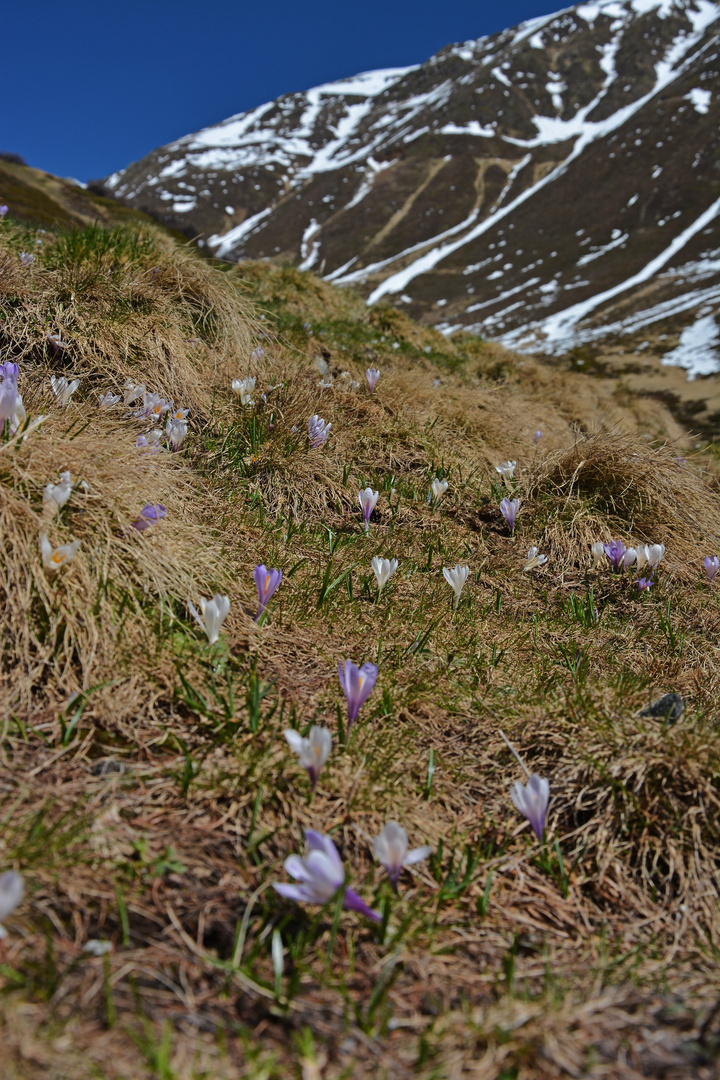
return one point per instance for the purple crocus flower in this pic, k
(8, 391)
(531, 800)
(615, 552)
(537, 436)
(321, 874)
(357, 684)
(150, 514)
(644, 583)
(372, 375)
(712, 565)
(509, 509)
(3, 211)
(266, 582)
(318, 431)
(391, 849)
(368, 500)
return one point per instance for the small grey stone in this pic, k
(669, 707)
(108, 767)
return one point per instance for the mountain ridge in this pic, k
(590, 135)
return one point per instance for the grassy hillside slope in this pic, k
(148, 796)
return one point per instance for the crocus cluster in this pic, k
(245, 388)
(622, 558)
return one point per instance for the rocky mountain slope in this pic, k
(553, 186)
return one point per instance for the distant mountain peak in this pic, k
(539, 185)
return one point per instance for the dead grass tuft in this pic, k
(127, 303)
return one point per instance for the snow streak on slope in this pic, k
(556, 130)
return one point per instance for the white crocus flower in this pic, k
(19, 416)
(438, 489)
(641, 556)
(56, 495)
(244, 388)
(109, 401)
(54, 558)
(11, 893)
(177, 434)
(214, 613)
(133, 392)
(654, 554)
(506, 469)
(313, 752)
(63, 388)
(629, 558)
(533, 559)
(598, 550)
(456, 580)
(391, 849)
(383, 569)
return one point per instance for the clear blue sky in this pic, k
(87, 86)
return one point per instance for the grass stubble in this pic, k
(147, 794)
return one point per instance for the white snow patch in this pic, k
(473, 128)
(698, 350)
(700, 99)
(559, 331)
(309, 248)
(597, 252)
(227, 243)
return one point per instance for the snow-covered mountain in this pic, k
(551, 186)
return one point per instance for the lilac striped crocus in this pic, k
(372, 375)
(509, 510)
(357, 684)
(266, 582)
(368, 500)
(391, 849)
(318, 431)
(321, 875)
(532, 800)
(712, 565)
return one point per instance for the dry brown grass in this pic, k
(161, 823)
(128, 303)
